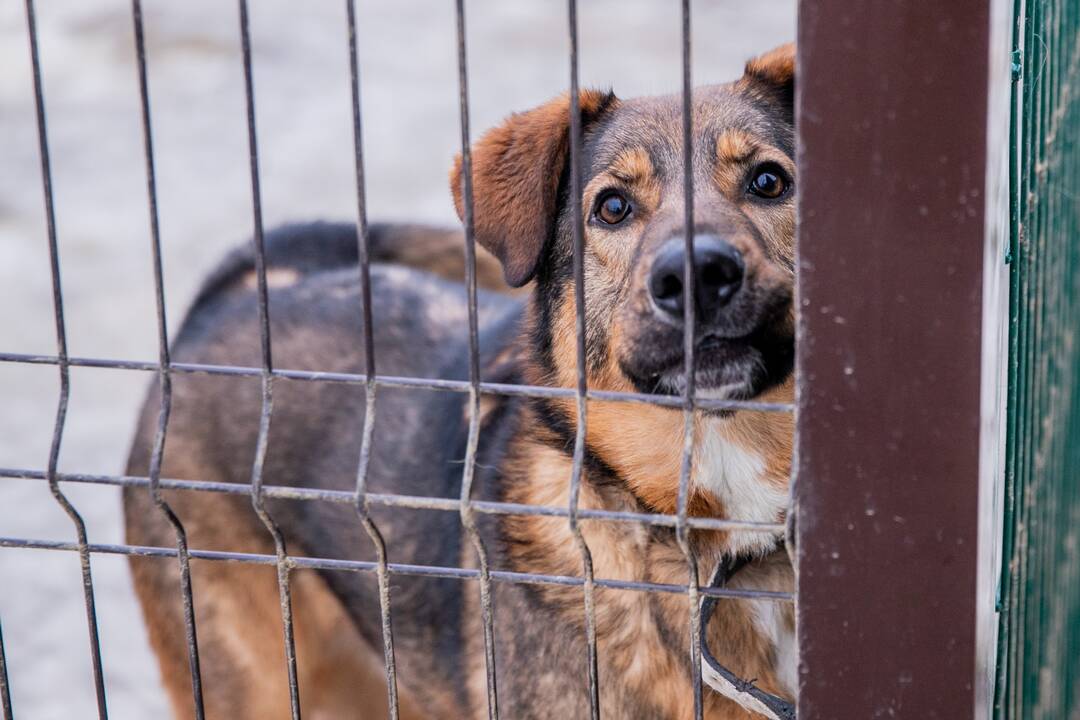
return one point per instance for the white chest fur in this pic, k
(736, 477)
(773, 620)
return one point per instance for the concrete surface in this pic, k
(517, 54)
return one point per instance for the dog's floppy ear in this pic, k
(516, 170)
(774, 74)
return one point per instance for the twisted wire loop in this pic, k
(63, 366)
(164, 375)
(360, 499)
(468, 520)
(682, 529)
(582, 378)
(283, 562)
(5, 689)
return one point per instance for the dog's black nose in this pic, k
(718, 274)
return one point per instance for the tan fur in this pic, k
(442, 252)
(735, 146)
(238, 619)
(632, 170)
(771, 434)
(737, 153)
(633, 173)
(275, 278)
(776, 67)
(632, 654)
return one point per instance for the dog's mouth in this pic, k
(725, 368)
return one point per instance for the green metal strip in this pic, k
(1039, 594)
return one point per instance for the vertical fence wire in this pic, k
(577, 220)
(5, 689)
(682, 530)
(62, 364)
(283, 563)
(1051, 315)
(1043, 300)
(1033, 301)
(1018, 344)
(1060, 381)
(1005, 597)
(1027, 340)
(1069, 513)
(468, 520)
(360, 503)
(164, 375)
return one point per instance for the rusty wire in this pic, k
(468, 520)
(164, 375)
(63, 366)
(258, 502)
(360, 500)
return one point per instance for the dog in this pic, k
(632, 168)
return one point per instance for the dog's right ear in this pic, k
(774, 75)
(516, 169)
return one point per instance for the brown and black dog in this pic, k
(633, 214)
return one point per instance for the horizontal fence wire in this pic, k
(688, 403)
(416, 383)
(414, 502)
(368, 566)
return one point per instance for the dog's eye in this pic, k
(612, 208)
(768, 181)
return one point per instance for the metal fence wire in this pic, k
(362, 500)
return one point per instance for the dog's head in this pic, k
(632, 165)
(634, 229)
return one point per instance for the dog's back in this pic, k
(420, 327)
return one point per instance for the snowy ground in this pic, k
(517, 54)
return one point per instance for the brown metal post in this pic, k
(898, 253)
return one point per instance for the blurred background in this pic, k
(517, 59)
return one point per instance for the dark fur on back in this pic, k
(312, 247)
(420, 331)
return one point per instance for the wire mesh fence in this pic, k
(268, 374)
(1039, 595)
(1038, 601)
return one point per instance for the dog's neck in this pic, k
(632, 463)
(643, 636)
